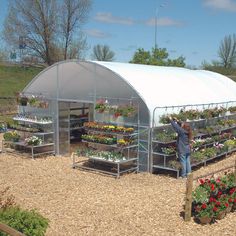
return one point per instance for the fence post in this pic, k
(188, 200)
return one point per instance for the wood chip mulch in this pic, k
(85, 203)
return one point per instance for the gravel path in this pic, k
(84, 203)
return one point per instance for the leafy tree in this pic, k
(46, 28)
(158, 57)
(227, 51)
(141, 57)
(102, 53)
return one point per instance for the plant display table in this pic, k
(47, 148)
(115, 168)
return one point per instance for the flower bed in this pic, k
(214, 198)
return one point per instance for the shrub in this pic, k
(30, 222)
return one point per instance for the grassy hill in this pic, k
(14, 78)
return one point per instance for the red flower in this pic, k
(218, 203)
(212, 199)
(231, 191)
(204, 206)
(212, 187)
(226, 204)
(215, 209)
(219, 193)
(230, 200)
(235, 200)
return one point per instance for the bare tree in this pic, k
(227, 51)
(102, 53)
(39, 25)
(74, 14)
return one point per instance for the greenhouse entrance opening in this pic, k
(71, 118)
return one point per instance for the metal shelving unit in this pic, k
(160, 160)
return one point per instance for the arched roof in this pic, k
(155, 85)
(167, 86)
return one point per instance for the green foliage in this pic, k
(165, 136)
(201, 195)
(158, 57)
(11, 136)
(30, 222)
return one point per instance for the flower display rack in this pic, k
(214, 138)
(34, 128)
(112, 149)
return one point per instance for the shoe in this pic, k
(182, 177)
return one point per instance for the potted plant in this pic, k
(101, 106)
(232, 109)
(33, 140)
(11, 136)
(23, 101)
(205, 213)
(174, 164)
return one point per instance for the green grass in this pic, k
(13, 79)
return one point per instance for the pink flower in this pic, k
(201, 181)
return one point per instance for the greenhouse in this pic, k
(72, 97)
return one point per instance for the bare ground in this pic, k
(85, 203)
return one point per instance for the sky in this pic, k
(193, 29)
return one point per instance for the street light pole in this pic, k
(156, 28)
(156, 14)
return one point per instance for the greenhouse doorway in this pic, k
(72, 116)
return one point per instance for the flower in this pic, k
(206, 209)
(33, 140)
(11, 136)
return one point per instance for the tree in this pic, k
(227, 51)
(74, 13)
(102, 53)
(45, 30)
(158, 57)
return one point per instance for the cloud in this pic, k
(226, 5)
(107, 17)
(97, 33)
(163, 22)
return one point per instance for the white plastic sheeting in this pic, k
(154, 86)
